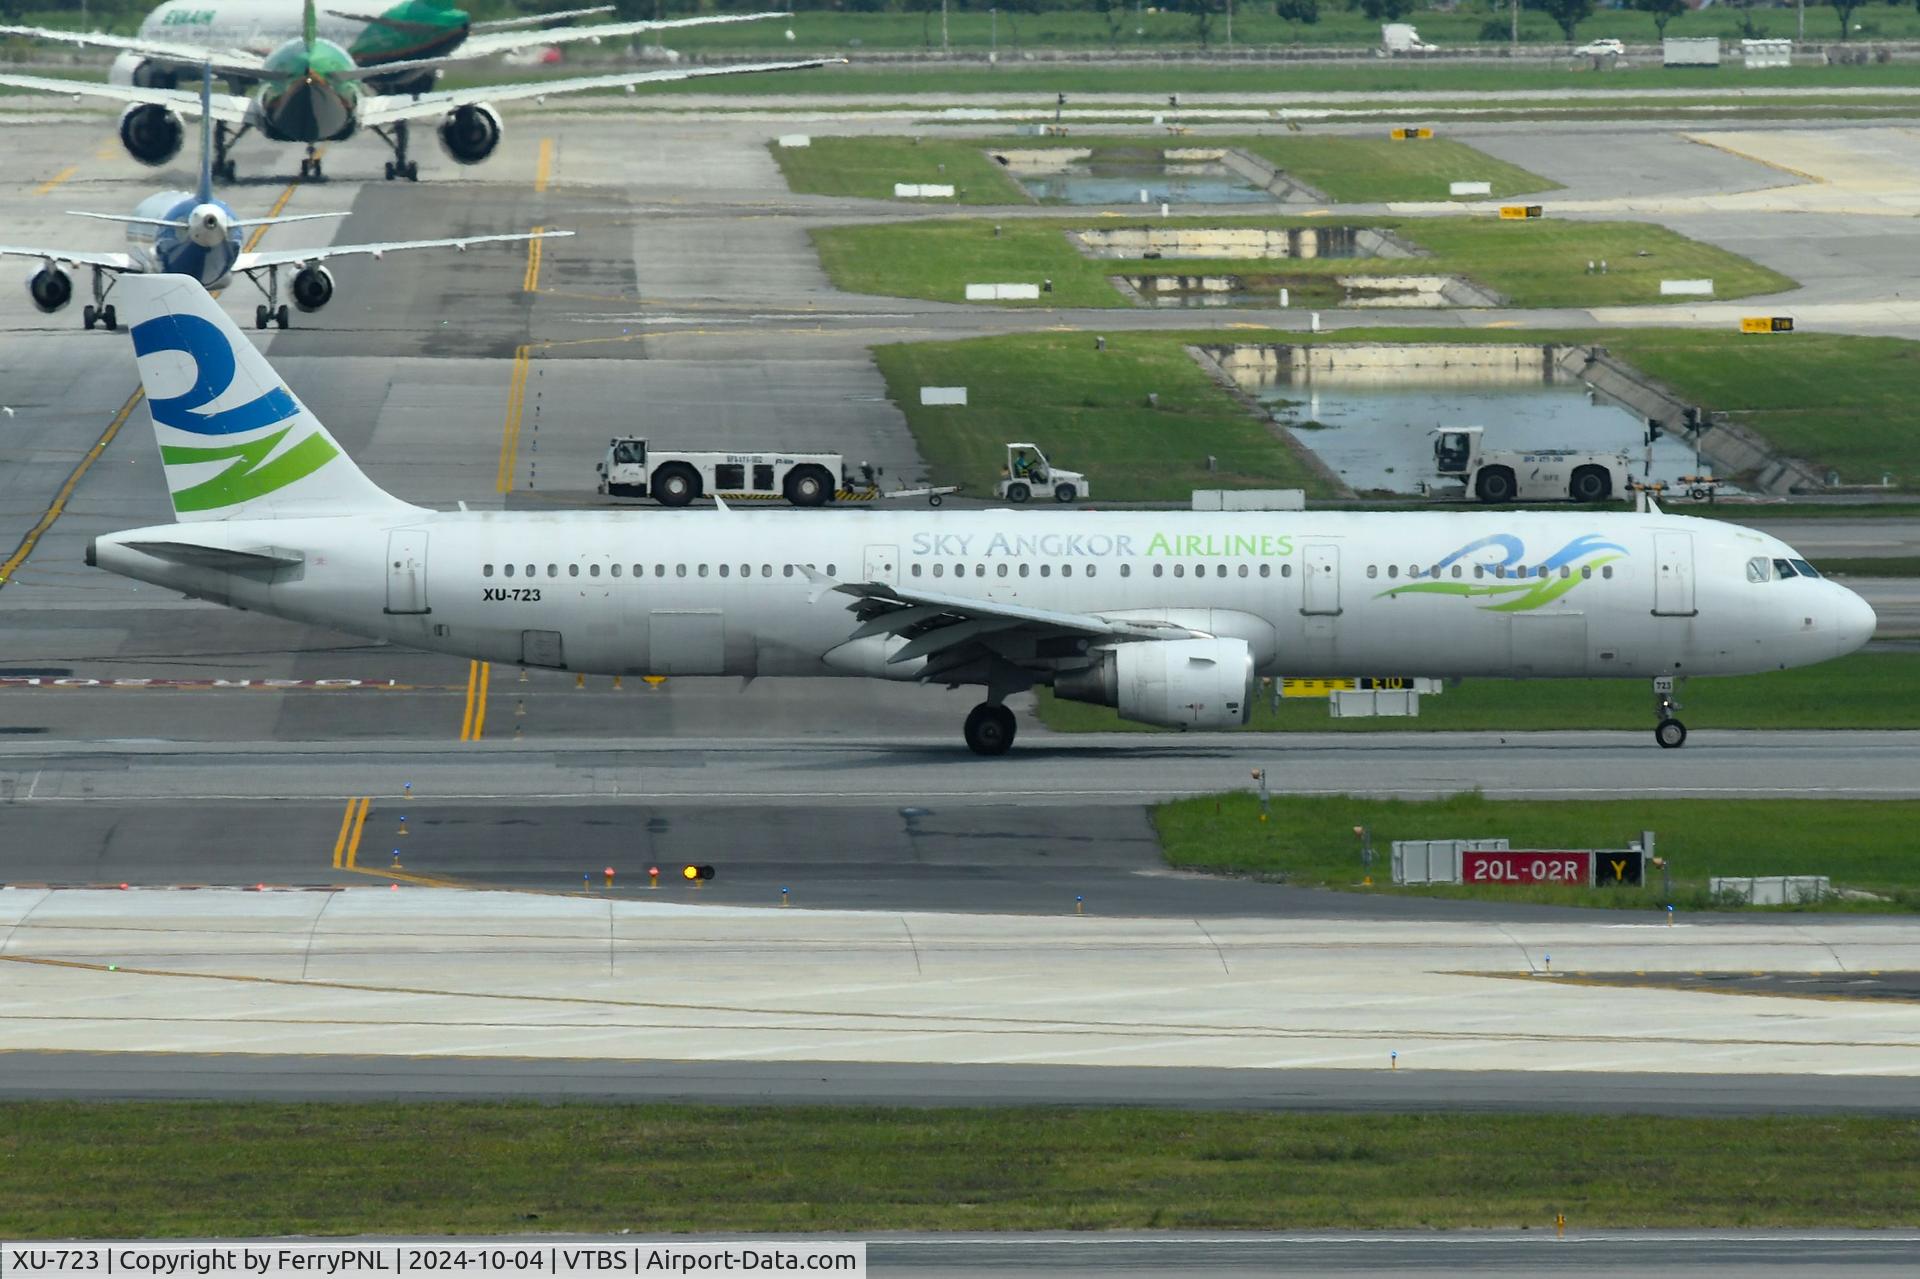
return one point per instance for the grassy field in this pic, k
(1537, 263)
(1084, 407)
(1842, 401)
(1864, 566)
(172, 1170)
(1351, 170)
(868, 167)
(1868, 845)
(1862, 690)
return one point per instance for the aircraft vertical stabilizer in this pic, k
(235, 442)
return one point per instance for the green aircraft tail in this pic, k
(310, 26)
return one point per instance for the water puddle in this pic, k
(1145, 176)
(1355, 292)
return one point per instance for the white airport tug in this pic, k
(1533, 475)
(675, 477)
(1028, 472)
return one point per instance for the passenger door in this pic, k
(1322, 587)
(407, 571)
(1673, 575)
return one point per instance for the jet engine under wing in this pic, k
(260, 260)
(104, 261)
(490, 42)
(226, 107)
(392, 107)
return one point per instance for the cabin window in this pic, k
(1126, 570)
(1456, 571)
(506, 570)
(701, 569)
(614, 569)
(1090, 569)
(915, 570)
(593, 570)
(1000, 570)
(766, 570)
(1066, 570)
(1159, 569)
(723, 570)
(1024, 568)
(533, 570)
(786, 570)
(746, 570)
(1219, 570)
(1759, 569)
(1179, 570)
(1586, 571)
(553, 570)
(573, 570)
(939, 569)
(1565, 572)
(1243, 570)
(1479, 570)
(486, 570)
(1393, 570)
(831, 570)
(1607, 571)
(1267, 569)
(679, 570)
(1046, 570)
(1373, 570)
(660, 570)
(979, 570)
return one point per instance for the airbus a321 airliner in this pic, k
(1169, 617)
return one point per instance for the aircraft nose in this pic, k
(1854, 620)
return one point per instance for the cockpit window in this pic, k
(1805, 569)
(1759, 569)
(1784, 568)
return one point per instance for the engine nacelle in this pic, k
(152, 134)
(1191, 683)
(469, 134)
(312, 287)
(136, 69)
(50, 288)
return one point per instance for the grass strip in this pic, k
(1859, 691)
(166, 1170)
(1863, 845)
(869, 168)
(1534, 263)
(1089, 410)
(1870, 566)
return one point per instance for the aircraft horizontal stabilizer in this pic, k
(224, 559)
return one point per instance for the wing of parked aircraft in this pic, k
(492, 42)
(228, 108)
(534, 19)
(103, 261)
(261, 260)
(392, 107)
(237, 63)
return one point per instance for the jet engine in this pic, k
(152, 134)
(312, 287)
(469, 134)
(50, 288)
(1191, 683)
(135, 69)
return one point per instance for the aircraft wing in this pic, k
(491, 42)
(226, 107)
(388, 108)
(539, 19)
(950, 631)
(105, 261)
(258, 261)
(238, 63)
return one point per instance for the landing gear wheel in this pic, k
(390, 173)
(1018, 492)
(316, 168)
(1670, 733)
(260, 316)
(989, 729)
(306, 167)
(88, 315)
(280, 316)
(1064, 493)
(109, 317)
(413, 171)
(225, 171)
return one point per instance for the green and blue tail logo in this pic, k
(1510, 591)
(235, 442)
(257, 464)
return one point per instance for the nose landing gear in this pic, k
(310, 167)
(1670, 733)
(990, 729)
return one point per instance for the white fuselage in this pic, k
(257, 25)
(1313, 593)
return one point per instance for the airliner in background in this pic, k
(1170, 617)
(191, 233)
(178, 36)
(308, 90)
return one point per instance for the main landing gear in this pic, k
(273, 311)
(989, 729)
(310, 167)
(1669, 732)
(223, 166)
(399, 166)
(100, 312)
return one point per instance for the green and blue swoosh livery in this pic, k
(1515, 594)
